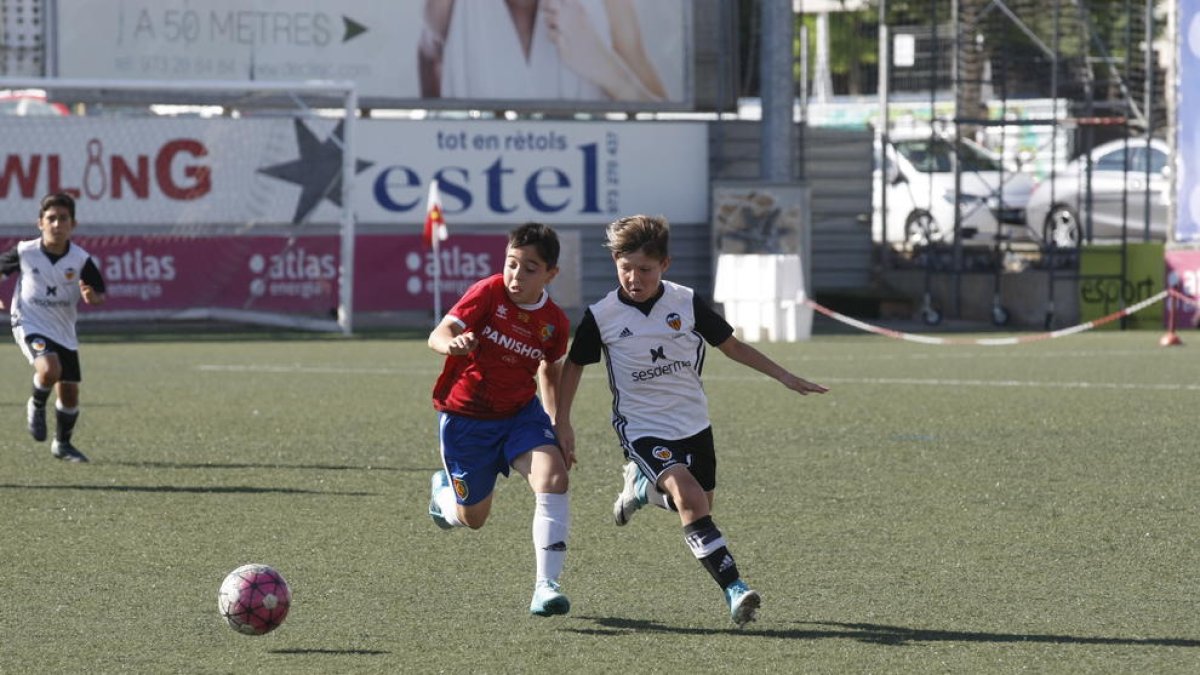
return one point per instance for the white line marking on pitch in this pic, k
(940, 382)
(961, 354)
(298, 369)
(937, 382)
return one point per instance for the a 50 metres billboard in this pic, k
(573, 54)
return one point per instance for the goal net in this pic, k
(199, 200)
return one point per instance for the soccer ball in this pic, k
(254, 599)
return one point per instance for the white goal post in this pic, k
(225, 201)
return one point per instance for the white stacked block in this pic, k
(763, 296)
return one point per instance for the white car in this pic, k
(921, 191)
(29, 102)
(1118, 198)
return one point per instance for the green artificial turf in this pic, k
(957, 509)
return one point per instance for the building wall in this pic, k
(836, 165)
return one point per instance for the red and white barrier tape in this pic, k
(995, 342)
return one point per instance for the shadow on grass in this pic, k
(186, 489)
(876, 633)
(263, 465)
(335, 652)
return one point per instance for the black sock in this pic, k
(66, 425)
(708, 545)
(40, 396)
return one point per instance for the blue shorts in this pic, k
(475, 451)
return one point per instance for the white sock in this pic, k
(449, 506)
(551, 522)
(656, 497)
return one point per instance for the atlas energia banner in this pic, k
(166, 171)
(578, 54)
(167, 275)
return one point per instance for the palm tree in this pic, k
(972, 55)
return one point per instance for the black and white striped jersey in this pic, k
(655, 353)
(47, 293)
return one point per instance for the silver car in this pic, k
(921, 189)
(1119, 194)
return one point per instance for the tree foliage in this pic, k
(1027, 35)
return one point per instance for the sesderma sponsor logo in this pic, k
(659, 371)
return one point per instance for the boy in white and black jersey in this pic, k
(653, 334)
(55, 275)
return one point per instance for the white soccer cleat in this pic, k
(436, 483)
(631, 498)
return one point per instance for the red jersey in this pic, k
(499, 377)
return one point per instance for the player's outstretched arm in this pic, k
(749, 356)
(449, 339)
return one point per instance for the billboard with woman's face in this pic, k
(484, 54)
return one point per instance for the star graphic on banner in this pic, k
(318, 170)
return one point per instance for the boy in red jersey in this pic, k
(501, 335)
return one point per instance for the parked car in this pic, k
(921, 192)
(1058, 210)
(29, 102)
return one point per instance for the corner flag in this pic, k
(435, 224)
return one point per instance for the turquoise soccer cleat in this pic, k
(548, 599)
(743, 602)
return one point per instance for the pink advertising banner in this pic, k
(1183, 275)
(282, 274)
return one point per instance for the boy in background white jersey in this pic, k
(55, 275)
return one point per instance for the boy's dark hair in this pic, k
(648, 234)
(541, 237)
(54, 199)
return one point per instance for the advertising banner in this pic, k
(1187, 129)
(287, 275)
(632, 55)
(1183, 275)
(192, 171)
(1102, 291)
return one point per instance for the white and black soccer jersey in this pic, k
(655, 354)
(47, 294)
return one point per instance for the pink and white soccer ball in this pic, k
(254, 599)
